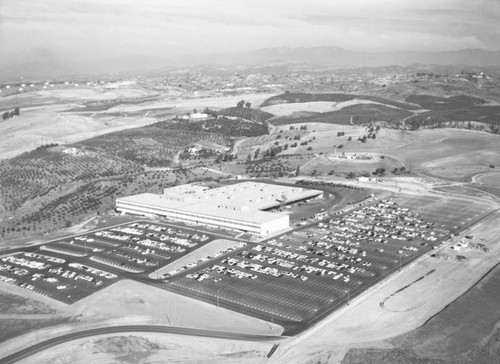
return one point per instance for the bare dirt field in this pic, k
(185, 105)
(14, 304)
(38, 126)
(154, 348)
(314, 106)
(129, 298)
(467, 331)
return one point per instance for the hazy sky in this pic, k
(77, 30)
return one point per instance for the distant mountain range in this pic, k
(339, 57)
(41, 65)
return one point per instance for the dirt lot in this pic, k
(467, 331)
(14, 304)
(154, 348)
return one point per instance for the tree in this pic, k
(195, 111)
(256, 155)
(248, 104)
(297, 171)
(240, 103)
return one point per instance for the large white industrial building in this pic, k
(237, 207)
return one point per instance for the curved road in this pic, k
(134, 328)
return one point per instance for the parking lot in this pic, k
(70, 269)
(293, 279)
(296, 278)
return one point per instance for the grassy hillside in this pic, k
(246, 113)
(445, 103)
(359, 114)
(333, 97)
(467, 331)
(448, 118)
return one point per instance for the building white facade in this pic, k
(235, 207)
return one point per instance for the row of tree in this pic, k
(243, 103)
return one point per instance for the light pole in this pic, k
(168, 319)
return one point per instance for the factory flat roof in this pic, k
(241, 201)
(254, 195)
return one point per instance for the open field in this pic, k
(464, 332)
(11, 327)
(436, 111)
(186, 105)
(458, 213)
(312, 107)
(11, 303)
(357, 114)
(334, 97)
(446, 153)
(39, 126)
(155, 348)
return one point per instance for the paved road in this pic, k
(44, 345)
